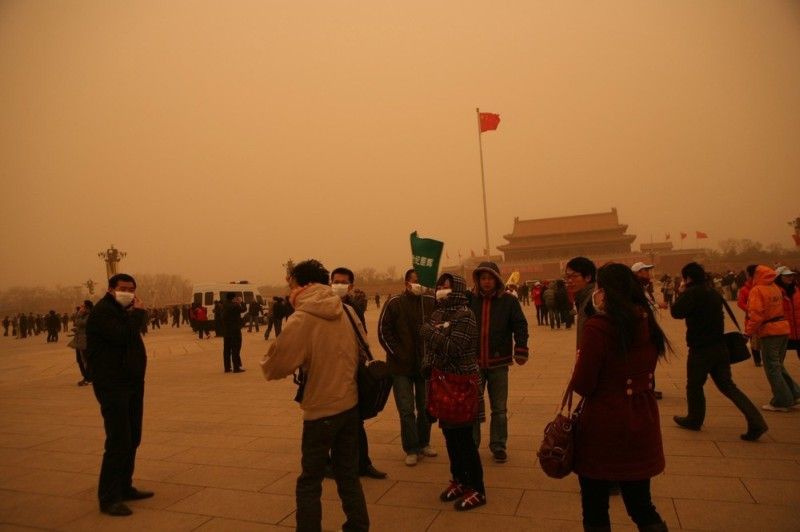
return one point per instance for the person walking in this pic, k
(253, 315)
(118, 360)
(451, 346)
(277, 311)
(579, 277)
(53, 323)
(741, 302)
(766, 320)
(620, 435)
(787, 281)
(320, 340)
(701, 306)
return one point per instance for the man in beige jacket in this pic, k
(319, 339)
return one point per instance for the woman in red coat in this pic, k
(618, 439)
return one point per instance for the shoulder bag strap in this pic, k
(730, 313)
(361, 341)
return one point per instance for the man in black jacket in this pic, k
(503, 340)
(399, 335)
(117, 362)
(232, 324)
(701, 306)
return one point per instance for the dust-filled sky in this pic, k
(216, 139)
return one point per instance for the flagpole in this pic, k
(483, 183)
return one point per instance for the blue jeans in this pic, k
(784, 389)
(415, 429)
(496, 380)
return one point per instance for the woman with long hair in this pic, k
(618, 439)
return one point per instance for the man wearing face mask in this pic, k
(342, 280)
(399, 335)
(117, 361)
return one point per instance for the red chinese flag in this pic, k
(683, 235)
(489, 121)
(666, 236)
(701, 234)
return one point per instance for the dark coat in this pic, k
(701, 307)
(618, 435)
(115, 350)
(398, 331)
(503, 329)
(232, 322)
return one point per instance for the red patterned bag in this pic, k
(453, 398)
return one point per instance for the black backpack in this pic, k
(374, 379)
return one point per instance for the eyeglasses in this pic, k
(572, 275)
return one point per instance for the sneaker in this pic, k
(774, 408)
(428, 451)
(412, 459)
(500, 456)
(454, 491)
(471, 499)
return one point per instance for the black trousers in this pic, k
(715, 361)
(465, 462)
(122, 409)
(336, 436)
(278, 325)
(231, 347)
(635, 495)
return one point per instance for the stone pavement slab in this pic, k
(222, 451)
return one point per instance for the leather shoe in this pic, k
(685, 423)
(371, 472)
(118, 509)
(134, 495)
(753, 434)
(239, 370)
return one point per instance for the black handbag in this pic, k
(374, 379)
(735, 341)
(556, 452)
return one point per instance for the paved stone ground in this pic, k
(222, 451)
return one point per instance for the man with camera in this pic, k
(319, 339)
(232, 324)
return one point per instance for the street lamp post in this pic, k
(111, 257)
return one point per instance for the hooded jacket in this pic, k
(318, 338)
(503, 328)
(791, 309)
(765, 306)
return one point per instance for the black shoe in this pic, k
(118, 509)
(758, 364)
(658, 394)
(500, 456)
(613, 489)
(371, 472)
(134, 495)
(328, 471)
(685, 423)
(239, 370)
(227, 371)
(753, 434)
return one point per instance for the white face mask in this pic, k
(443, 293)
(124, 298)
(340, 289)
(416, 289)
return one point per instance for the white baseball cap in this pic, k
(640, 266)
(784, 270)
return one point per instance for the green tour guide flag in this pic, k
(426, 254)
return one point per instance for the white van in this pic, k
(206, 293)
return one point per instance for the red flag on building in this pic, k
(701, 234)
(683, 235)
(666, 237)
(489, 121)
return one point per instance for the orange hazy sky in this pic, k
(216, 139)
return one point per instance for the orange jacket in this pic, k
(765, 306)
